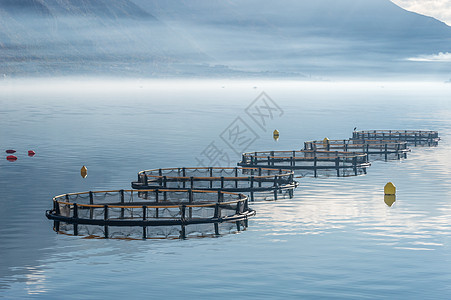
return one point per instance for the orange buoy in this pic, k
(11, 158)
(31, 153)
(84, 172)
(10, 151)
(276, 135)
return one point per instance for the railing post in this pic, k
(105, 218)
(91, 202)
(182, 213)
(238, 205)
(217, 211)
(165, 181)
(75, 217)
(122, 202)
(337, 165)
(190, 196)
(386, 151)
(144, 220)
(251, 180)
(211, 175)
(183, 233)
(156, 201)
(56, 207)
(315, 164)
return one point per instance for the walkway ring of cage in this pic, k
(237, 179)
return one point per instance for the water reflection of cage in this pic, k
(413, 137)
(160, 207)
(389, 149)
(257, 182)
(343, 163)
(206, 230)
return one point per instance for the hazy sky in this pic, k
(439, 9)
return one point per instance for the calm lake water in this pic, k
(335, 239)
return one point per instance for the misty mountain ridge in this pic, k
(215, 37)
(98, 8)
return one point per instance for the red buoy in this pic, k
(11, 158)
(31, 153)
(10, 151)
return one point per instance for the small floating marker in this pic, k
(11, 158)
(31, 153)
(389, 200)
(276, 135)
(84, 172)
(390, 189)
(10, 151)
(326, 141)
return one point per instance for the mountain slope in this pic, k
(306, 36)
(56, 37)
(205, 37)
(103, 8)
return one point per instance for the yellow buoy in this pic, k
(325, 142)
(276, 135)
(390, 189)
(84, 172)
(389, 199)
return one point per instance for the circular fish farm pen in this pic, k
(412, 137)
(155, 213)
(309, 162)
(258, 183)
(389, 149)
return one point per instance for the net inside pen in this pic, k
(129, 208)
(215, 178)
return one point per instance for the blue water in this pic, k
(335, 239)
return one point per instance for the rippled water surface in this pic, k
(335, 239)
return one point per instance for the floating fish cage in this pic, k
(343, 163)
(413, 137)
(259, 183)
(389, 149)
(123, 213)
